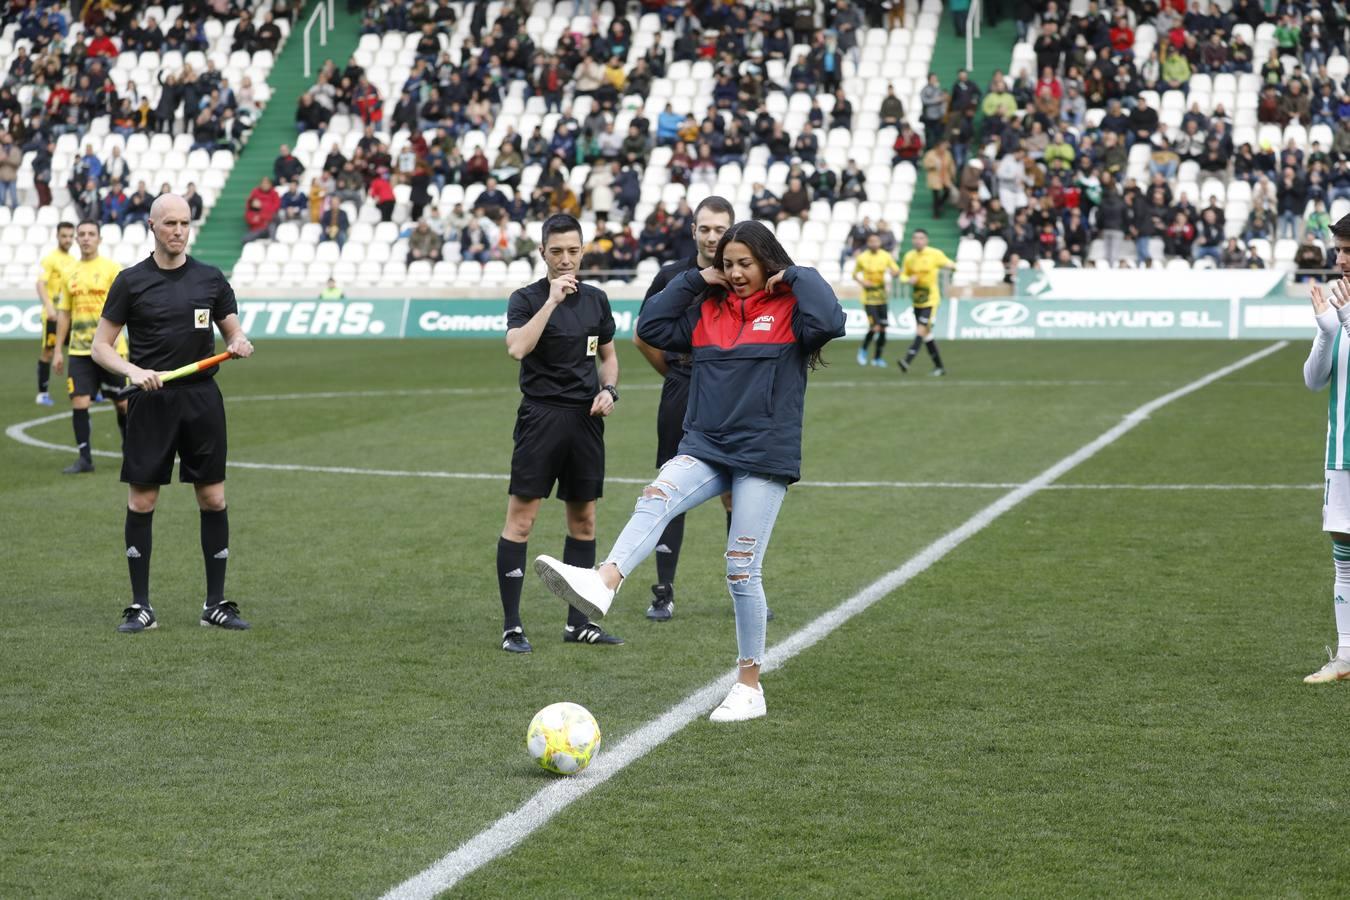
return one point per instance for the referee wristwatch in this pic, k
(612, 391)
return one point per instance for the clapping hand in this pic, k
(1340, 296)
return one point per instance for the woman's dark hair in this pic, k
(763, 246)
(770, 255)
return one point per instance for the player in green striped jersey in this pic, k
(1328, 366)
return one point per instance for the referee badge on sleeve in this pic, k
(201, 318)
(592, 344)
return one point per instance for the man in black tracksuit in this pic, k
(711, 220)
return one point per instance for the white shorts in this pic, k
(1336, 501)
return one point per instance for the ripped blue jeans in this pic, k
(683, 483)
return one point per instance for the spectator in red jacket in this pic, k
(58, 100)
(908, 145)
(1122, 36)
(101, 45)
(367, 101)
(260, 213)
(382, 192)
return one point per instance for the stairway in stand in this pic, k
(219, 240)
(992, 50)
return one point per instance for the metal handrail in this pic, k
(324, 14)
(972, 32)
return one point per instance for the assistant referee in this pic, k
(170, 302)
(559, 329)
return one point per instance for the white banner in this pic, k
(1150, 284)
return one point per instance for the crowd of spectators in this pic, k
(1046, 169)
(448, 95)
(60, 79)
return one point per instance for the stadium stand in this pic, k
(1214, 135)
(483, 118)
(104, 113)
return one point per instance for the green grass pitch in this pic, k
(1099, 694)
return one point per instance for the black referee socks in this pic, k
(668, 550)
(216, 552)
(80, 419)
(582, 554)
(510, 580)
(137, 532)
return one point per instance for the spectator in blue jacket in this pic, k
(668, 126)
(627, 190)
(754, 324)
(138, 206)
(114, 204)
(294, 203)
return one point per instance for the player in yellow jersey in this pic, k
(921, 267)
(78, 312)
(56, 267)
(870, 270)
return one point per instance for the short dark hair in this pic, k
(60, 225)
(558, 223)
(716, 204)
(922, 231)
(94, 222)
(1342, 228)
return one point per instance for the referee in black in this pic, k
(170, 302)
(562, 331)
(712, 218)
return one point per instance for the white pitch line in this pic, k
(19, 433)
(1185, 487)
(816, 384)
(511, 829)
(650, 386)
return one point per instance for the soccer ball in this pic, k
(563, 737)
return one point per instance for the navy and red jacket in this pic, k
(748, 389)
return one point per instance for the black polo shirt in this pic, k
(561, 369)
(679, 365)
(170, 313)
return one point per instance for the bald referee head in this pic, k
(170, 222)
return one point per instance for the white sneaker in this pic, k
(582, 588)
(1337, 668)
(744, 702)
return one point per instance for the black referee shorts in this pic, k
(670, 417)
(187, 420)
(86, 377)
(558, 444)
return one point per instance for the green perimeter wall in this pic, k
(1003, 318)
